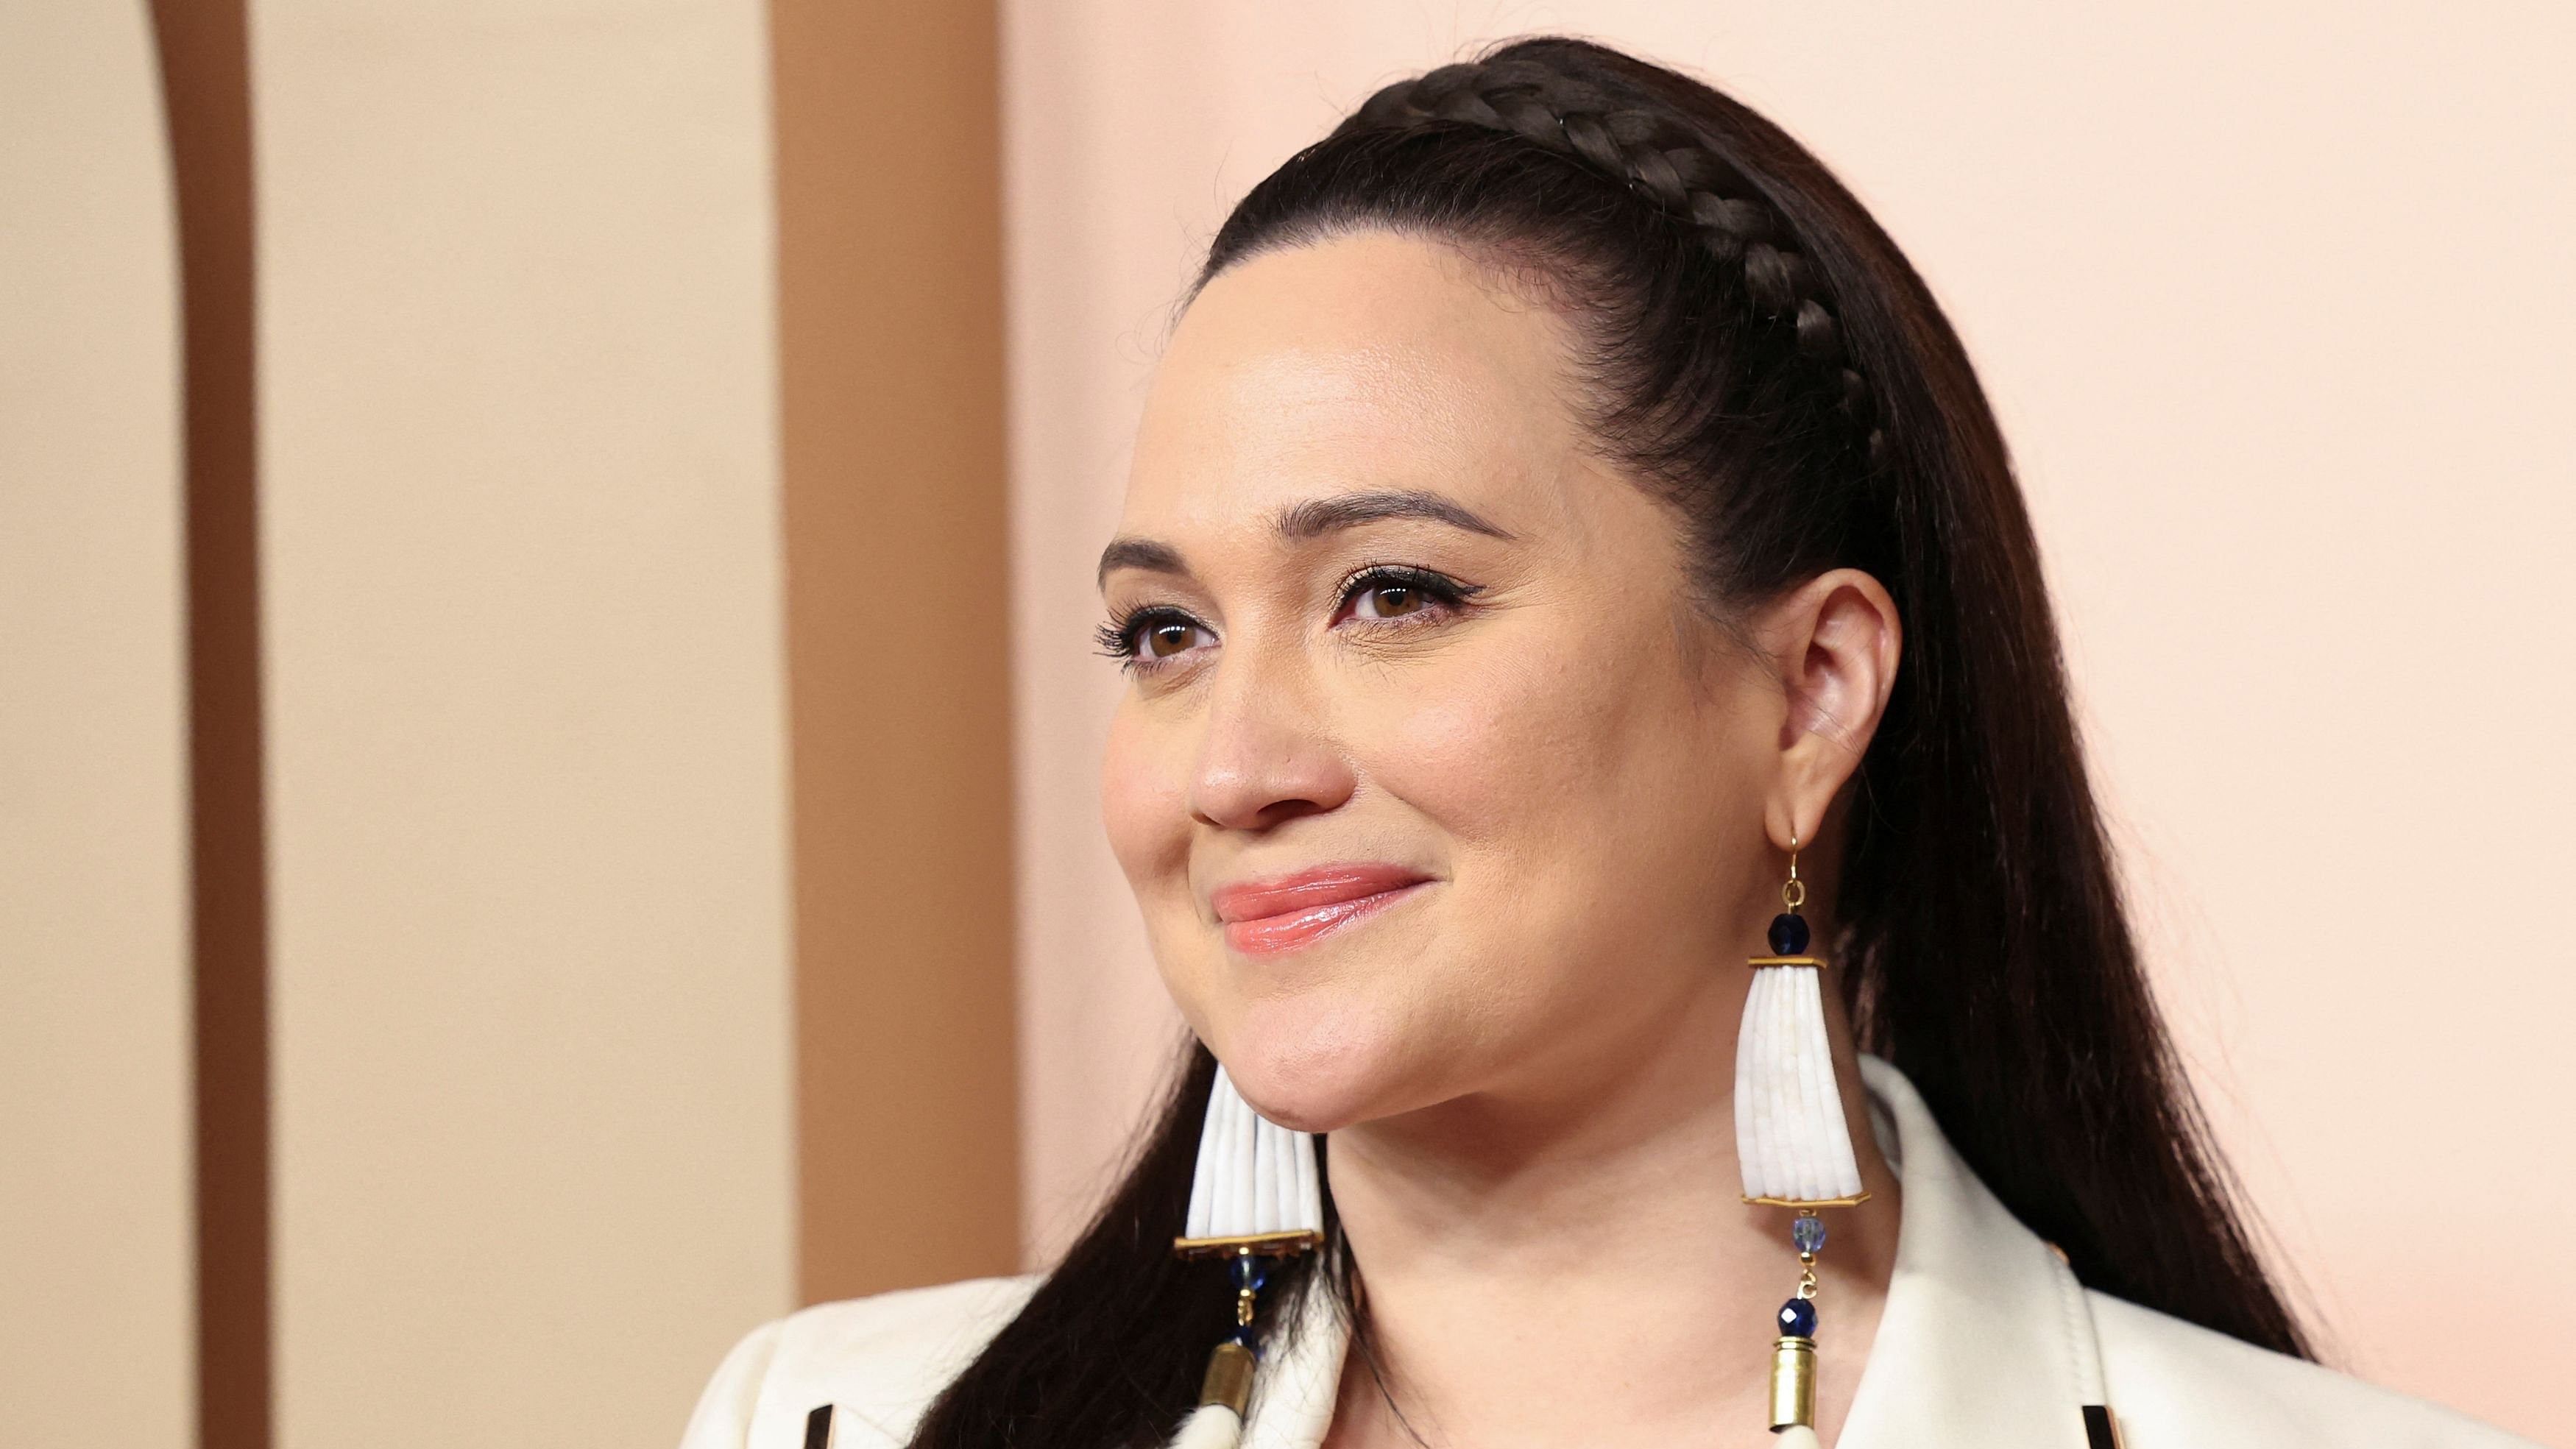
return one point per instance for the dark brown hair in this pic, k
(1758, 351)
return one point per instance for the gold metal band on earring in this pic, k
(1265, 1245)
(1855, 1200)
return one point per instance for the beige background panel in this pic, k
(2273, 302)
(96, 1291)
(520, 493)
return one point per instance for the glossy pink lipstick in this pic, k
(1282, 913)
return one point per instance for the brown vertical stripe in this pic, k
(205, 72)
(890, 280)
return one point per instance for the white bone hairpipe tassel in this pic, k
(1790, 1137)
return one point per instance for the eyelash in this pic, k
(1119, 637)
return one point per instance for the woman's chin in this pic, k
(1319, 1075)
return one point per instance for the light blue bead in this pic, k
(1250, 1272)
(1808, 1233)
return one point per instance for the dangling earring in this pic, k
(1254, 1198)
(1790, 1137)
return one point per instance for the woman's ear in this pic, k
(1833, 643)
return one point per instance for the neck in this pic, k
(1577, 1266)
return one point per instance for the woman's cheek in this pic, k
(1481, 750)
(1437, 753)
(1144, 808)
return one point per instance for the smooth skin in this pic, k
(1385, 604)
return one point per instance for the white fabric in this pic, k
(1210, 1426)
(1253, 1175)
(1790, 1137)
(1987, 1342)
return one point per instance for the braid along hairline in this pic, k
(1673, 164)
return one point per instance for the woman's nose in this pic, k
(1268, 756)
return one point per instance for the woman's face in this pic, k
(1431, 779)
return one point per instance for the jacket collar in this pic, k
(1986, 1340)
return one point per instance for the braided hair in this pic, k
(1670, 162)
(1752, 346)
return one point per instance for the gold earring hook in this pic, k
(1794, 893)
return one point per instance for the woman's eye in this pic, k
(1165, 639)
(1387, 594)
(1387, 601)
(1148, 637)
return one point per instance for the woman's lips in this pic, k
(1282, 913)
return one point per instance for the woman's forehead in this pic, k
(1369, 361)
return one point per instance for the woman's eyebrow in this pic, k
(1140, 553)
(1311, 519)
(1323, 515)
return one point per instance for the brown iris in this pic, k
(1393, 600)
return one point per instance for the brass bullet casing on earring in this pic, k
(1229, 1378)
(1793, 1383)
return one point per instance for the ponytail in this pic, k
(1761, 354)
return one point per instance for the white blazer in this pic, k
(1987, 1342)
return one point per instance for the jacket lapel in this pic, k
(1985, 1340)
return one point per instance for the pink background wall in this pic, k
(2274, 303)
